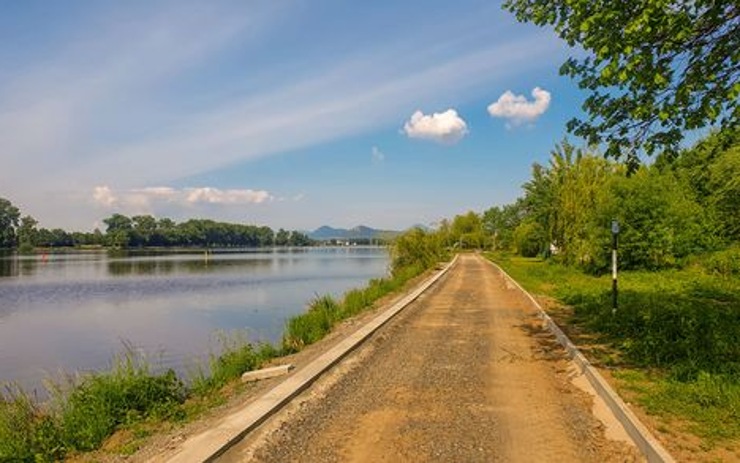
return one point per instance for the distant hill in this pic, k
(360, 232)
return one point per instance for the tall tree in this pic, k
(145, 227)
(468, 231)
(119, 229)
(27, 232)
(655, 68)
(282, 237)
(9, 216)
(500, 223)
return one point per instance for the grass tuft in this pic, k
(84, 413)
(103, 402)
(27, 433)
(236, 356)
(309, 327)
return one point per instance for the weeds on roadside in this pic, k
(324, 311)
(27, 433)
(82, 413)
(236, 356)
(307, 328)
(102, 402)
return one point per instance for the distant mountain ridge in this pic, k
(326, 233)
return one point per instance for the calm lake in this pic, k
(74, 312)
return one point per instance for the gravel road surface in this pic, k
(464, 374)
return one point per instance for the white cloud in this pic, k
(377, 155)
(145, 200)
(104, 196)
(158, 191)
(216, 196)
(446, 127)
(517, 109)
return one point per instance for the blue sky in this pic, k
(290, 114)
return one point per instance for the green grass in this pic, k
(675, 333)
(687, 321)
(709, 404)
(313, 325)
(85, 412)
(236, 356)
(325, 312)
(26, 432)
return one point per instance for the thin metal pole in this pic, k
(614, 273)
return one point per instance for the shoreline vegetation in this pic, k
(131, 398)
(140, 231)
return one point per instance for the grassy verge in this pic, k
(672, 342)
(325, 312)
(132, 399)
(84, 412)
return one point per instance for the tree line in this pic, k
(22, 232)
(677, 207)
(670, 211)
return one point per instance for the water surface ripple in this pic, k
(74, 312)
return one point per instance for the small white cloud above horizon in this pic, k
(517, 110)
(446, 127)
(143, 199)
(215, 196)
(377, 156)
(104, 196)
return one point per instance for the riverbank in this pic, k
(670, 349)
(118, 411)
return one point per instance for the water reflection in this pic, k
(72, 311)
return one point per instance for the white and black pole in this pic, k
(615, 233)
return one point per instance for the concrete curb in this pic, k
(640, 435)
(210, 444)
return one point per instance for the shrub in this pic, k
(311, 326)
(237, 356)
(91, 410)
(725, 263)
(27, 433)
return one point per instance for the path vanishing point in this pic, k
(465, 373)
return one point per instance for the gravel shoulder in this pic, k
(465, 373)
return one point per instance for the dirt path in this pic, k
(464, 374)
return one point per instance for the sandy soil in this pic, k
(466, 374)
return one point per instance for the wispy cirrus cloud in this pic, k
(517, 110)
(377, 156)
(155, 96)
(444, 127)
